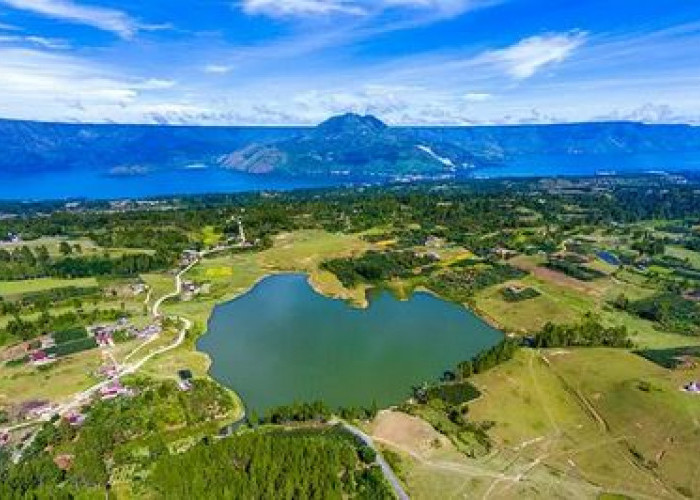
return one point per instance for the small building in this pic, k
(693, 387)
(108, 370)
(184, 385)
(47, 342)
(36, 409)
(434, 242)
(13, 238)
(40, 357)
(114, 390)
(189, 257)
(149, 331)
(185, 379)
(503, 253)
(104, 339)
(75, 419)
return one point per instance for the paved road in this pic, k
(386, 469)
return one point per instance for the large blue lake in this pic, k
(282, 342)
(94, 183)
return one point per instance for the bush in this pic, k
(511, 295)
(574, 270)
(70, 334)
(454, 394)
(73, 347)
(589, 333)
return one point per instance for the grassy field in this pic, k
(87, 247)
(39, 284)
(565, 300)
(567, 424)
(693, 258)
(60, 380)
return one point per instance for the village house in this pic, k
(47, 342)
(114, 390)
(34, 410)
(191, 289)
(514, 289)
(109, 370)
(149, 331)
(40, 357)
(503, 253)
(75, 419)
(434, 242)
(189, 257)
(184, 382)
(12, 238)
(693, 387)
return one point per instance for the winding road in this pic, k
(386, 468)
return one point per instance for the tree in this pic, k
(65, 249)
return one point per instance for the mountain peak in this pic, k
(352, 123)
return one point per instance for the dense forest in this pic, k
(23, 263)
(305, 463)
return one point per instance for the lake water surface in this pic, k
(95, 183)
(282, 342)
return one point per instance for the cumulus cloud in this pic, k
(528, 56)
(102, 18)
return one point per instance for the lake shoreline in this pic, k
(399, 353)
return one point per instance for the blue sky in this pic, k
(299, 61)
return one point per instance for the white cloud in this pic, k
(40, 41)
(444, 7)
(477, 97)
(156, 84)
(528, 56)
(281, 8)
(38, 84)
(102, 18)
(9, 27)
(217, 69)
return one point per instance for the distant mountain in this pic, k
(343, 145)
(353, 145)
(27, 147)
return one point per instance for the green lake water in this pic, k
(282, 342)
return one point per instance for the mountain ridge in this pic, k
(348, 144)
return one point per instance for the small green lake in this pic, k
(282, 342)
